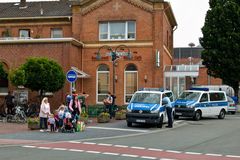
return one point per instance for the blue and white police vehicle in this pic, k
(146, 106)
(200, 102)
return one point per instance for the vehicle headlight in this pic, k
(154, 111)
(191, 106)
(129, 109)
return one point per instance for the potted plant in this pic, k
(84, 117)
(103, 117)
(120, 115)
(33, 123)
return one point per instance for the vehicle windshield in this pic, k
(190, 96)
(146, 98)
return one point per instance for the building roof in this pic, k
(35, 9)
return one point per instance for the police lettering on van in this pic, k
(200, 102)
(146, 106)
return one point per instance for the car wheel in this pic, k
(160, 123)
(221, 114)
(129, 124)
(176, 117)
(197, 116)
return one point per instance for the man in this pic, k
(9, 102)
(168, 105)
(108, 104)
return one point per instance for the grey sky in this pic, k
(190, 15)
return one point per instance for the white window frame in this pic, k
(108, 32)
(56, 29)
(125, 84)
(24, 30)
(100, 102)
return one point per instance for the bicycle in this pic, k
(19, 116)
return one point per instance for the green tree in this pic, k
(221, 37)
(39, 74)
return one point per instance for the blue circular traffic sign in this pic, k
(71, 76)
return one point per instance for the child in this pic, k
(56, 117)
(61, 115)
(51, 120)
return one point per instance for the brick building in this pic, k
(83, 34)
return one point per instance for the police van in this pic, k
(200, 102)
(146, 106)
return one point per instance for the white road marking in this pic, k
(170, 151)
(74, 142)
(76, 150)
(110, 153)
(121, 146)
(146, 157)
(44, 148)
(89, 143)
(232, 156)
(129, 155)
(211, 154)
(193, 153)
(166, 159)
(104, 144)
(60, 149)
(155, 149)
(138, 147)
(29, 146)
(118, 129)
(96, 152)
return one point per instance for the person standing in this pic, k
(168, 105)
(9, 103)
(108, 101)
(75, 107)
(44, 112)
(82, 99)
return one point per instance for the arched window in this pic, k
(130, 81)
(103, 82)
(3, 79)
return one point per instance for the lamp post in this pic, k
(115, 54)
(191, 45)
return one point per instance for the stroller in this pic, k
(69, 123)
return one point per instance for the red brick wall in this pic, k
(203, 78)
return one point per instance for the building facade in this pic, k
(84, 35)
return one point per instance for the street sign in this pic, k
(71, 76)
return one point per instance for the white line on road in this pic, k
(76, 150)
(29, 146)
(232, 156)
(121, 146)
(129, 155)
(60, 149)
(43, 147)
(170, 151)
(146, 157)
(89, 143)
(193, 153)
(74, 142)
(155, 149)
(96, 152)
(211, 154)
(138, 147)
(166, 159)
(110, 153)
(118, 129)
(104, 144)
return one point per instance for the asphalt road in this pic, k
(211, 139)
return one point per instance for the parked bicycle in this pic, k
(18, 117)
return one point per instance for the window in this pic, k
(204, 98)
(103, 82)
(56, 33)
(3, 79)
(131, 79)
(120, 30)
(24, 33)
(217, 96)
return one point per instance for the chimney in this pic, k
(23, 4)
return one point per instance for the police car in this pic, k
(146, 106)
(200, 102)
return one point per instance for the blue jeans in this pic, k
(43, 123)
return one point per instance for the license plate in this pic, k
(141, 120)
(178, 114)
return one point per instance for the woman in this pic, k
(75, 107)
(44, 112)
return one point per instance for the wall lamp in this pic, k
(145, 78)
